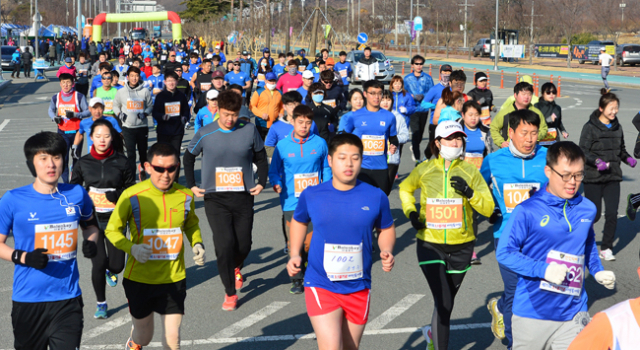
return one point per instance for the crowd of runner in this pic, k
(332, 153)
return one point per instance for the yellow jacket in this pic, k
(265, 101)
(144, 207)
(435, 183)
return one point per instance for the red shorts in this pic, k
(355, 305)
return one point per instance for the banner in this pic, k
(590, 52)
(327, 30)
(512, 51)
(551, 50)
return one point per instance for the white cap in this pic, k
(96, 100)
(212, 94)
(448, 128)
(307, 74)
(217, 46)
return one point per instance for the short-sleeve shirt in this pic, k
(85, 127)
(341, 217)
(606, 59)
(25, 212)
(367, 125)
(226, 149)
(240, 78)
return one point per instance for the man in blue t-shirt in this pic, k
(338, 277)
(44, 218)
(377, 128)
(238, 77)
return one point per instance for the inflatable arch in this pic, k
(176, 24)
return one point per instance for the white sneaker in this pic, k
(607, 255)
(426, 332)
(412, 156)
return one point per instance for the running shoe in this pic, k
(497, 321)
(101, 311)
(187, 126)
(475, 260)
(297, 287)
(631, 211)
(142, 174)
(130, 345)
(230, 303)
(426, 332)
(413, 157)
(239, 278)
(607, 255)
(112, 278)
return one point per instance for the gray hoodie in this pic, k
(137, 94)
(83, 67)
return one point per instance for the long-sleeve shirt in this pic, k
(269, 102)
(418, 87)
(82, 106)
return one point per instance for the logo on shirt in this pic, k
(365, 208)
(33, 217)
(585, 220)
(71, 211)
(314, 152)
(364, 123)
(292, 155)
(544, 221)
(382, 123)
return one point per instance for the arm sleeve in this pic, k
(301, 214)
(118, 224)
(314, 129)
(158, 109)
(117, 103)
(189, 160)
(348, 124)
(276, 168)
(636, 121)
(407, 189)
(76, 175)
(253, 104)
(542, 132)
(496, 129)
(592, 258)
(184, 107)
(192, 224)
(403, 131)
(385, 218)
(280, 84)
(272, 137)
(560, 124)
(409, 104)
(623, 150)
(482, 200)
(585, 143)
(485, 171)
(52, 108)
(129, 180)
(513, 238)
(327, 175)
(260, 159)
(84, 108)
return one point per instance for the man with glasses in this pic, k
(333, 93)
(376, 127)
(96, 82)
(158, 282)
(107, 93)
(548, 241)
(172, 64)
(514, 171)
(238, 77)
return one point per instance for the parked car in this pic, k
(384, 65)
(602, 44)
(6, 52)
(628, 54)
(482, 48)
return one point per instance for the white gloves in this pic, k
(141, 252)
(606, 278)
(556, 273)
(403, 109)
(199, 256)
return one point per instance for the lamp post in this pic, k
(496, 42)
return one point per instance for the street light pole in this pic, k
(396, 41)
(410, 29)
(496, 42)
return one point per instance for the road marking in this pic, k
(251, 319)
(394, 311)
(285, 337)
(4, 123)
(109, 326)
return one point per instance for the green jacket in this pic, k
(500, 130)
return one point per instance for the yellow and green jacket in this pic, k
(143, 206)
(434, 182)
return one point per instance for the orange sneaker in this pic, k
(239, 278)
(230, 302)
(132, 346)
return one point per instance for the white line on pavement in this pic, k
(394, 311)
(251, 319)
(4, 123)
(111, 325)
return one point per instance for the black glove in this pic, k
(57, 120)
(112, 196)
(123, 117)
(497, 214)
(89, 249)
(37, 259)
(415, 221)
(460, 185)
(184, 120)
(70, 114)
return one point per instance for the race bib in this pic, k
(229, 179)
(260, 77)
(572, 284)
(444, 213)
(343, 73)
(172, 109)
(302, 68)
(163, 58)
(373, 145)
(179, 58)
(166, 243)
(292, 89)
(302, 181)
(205, 86)
(550, 139)
(343, 262)
(515, 194)
(474, 158)
(100, 201)
(60, 240)
(485, 117)
(330, 103)
(135, 106)
(63, 108)
(108, 106)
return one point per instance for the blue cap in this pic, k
(266, 49)
(271, 76)
(68, 59)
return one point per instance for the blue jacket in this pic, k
(344, 66)
(418, 86)
(539, 225)
(502, 168)
(203, 118)
(294, 156)
(157, 82)
(430, 100)
(281, 129)
(147, 54)
(15, 57)
(247, 67)
(404, 100)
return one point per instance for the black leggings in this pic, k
(378, 178)
(230, 215)
(418, 122)
(16, 69)
(108, 257)
(136, 137)
(393, 169)
(444, 273)
(610, 192)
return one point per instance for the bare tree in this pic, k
(567, 14)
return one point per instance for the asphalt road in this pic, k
(268, 316)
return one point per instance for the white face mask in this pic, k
(270, 86)
(450, 153)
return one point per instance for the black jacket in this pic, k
(112, 172)
(549, 108)
(326, 119)
(636, 123)
(171, 66)
(484, 97)
(175, 125)
(336, 93)
(607, 144)
(184, 87)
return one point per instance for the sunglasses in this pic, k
(107, 78)
(327, 81)
(551, 93)
(161, 170)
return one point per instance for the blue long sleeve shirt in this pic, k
(305, 158)
(431, 99)
(418, 85)
(512, 177)
(281, 129)
(405, 100)
(546, 223)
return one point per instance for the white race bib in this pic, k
(343, 262)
